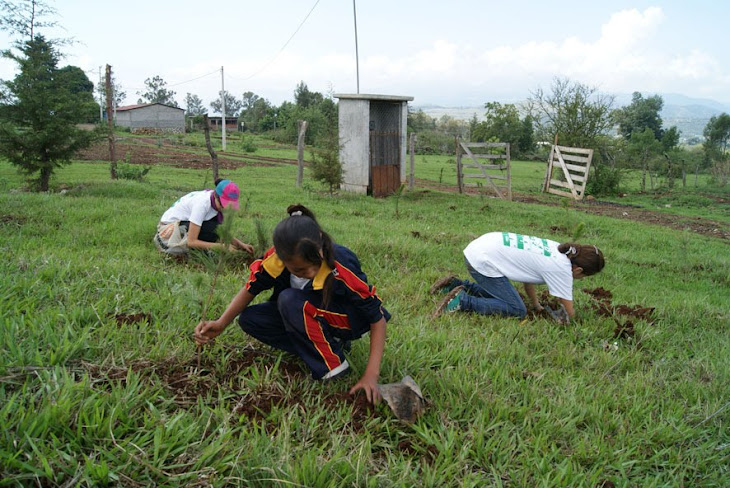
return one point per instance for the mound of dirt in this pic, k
(623, 315)
(187, 383)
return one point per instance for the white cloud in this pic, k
(626, 56)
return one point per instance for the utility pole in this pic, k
(357, 57)
(223, 108)
(110, 122)
(101, 100)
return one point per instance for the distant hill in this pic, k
(690, 115)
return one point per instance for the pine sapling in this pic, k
(215, 261)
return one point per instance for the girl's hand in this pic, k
(369, 385)
(243, 246)
(205, 332)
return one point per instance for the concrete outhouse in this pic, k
(373, 142)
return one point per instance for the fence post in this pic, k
(509, 174)
(411, 149)
(459, 180)
(300, 151)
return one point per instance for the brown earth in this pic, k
(188, 383)
(623, 315)
(699, 225)
(148, 152)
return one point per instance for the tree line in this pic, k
(40, 110)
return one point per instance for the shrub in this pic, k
(247, 145)
(604, 181)
(126, 171)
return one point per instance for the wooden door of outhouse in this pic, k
(385, 148)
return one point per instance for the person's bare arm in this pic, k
(195, 243)
(206, 331)
(369, 381)
(568, 304)
(531, 292)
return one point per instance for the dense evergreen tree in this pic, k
(40, 110)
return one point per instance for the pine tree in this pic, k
(39, 113)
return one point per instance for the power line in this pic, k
(282, 47)
(193, 79)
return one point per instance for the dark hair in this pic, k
(217, 180)
(300, 235)
(588, 257)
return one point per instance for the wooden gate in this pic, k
(385, 149)
(495, 173)
(574, 164)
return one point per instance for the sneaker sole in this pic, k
(440, 309)
(441, 283)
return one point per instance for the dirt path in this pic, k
(699, 225)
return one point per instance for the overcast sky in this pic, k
(449, 53)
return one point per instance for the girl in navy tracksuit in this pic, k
(320, 302)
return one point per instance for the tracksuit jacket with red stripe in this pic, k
(350, 283)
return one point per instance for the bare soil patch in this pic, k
(149, 152)
(188, 384)
(698, 225)
(624, 316)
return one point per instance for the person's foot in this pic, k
(451, 302)
(445, 284)
(339, 372)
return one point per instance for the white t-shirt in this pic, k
(297, 282)
(194, 207)
(525, 259)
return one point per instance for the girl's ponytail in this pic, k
(588, 257)
(571, 250)
(298, 210)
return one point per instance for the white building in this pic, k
(373, 142)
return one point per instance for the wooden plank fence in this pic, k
(568, 169)
(495, 173)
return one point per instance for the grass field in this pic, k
(98, 383)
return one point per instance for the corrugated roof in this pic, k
(132, 107)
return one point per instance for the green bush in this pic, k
(247, 145)
(126, 171)
(604, 181)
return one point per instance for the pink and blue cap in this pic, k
(228, 192)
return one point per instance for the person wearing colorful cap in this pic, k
(191, 222)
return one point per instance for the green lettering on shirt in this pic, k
(545, 247)
(526, 243)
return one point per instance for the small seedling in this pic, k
(398, 193)
(214, 262)
(262, 237)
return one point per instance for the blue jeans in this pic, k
(491, 296)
